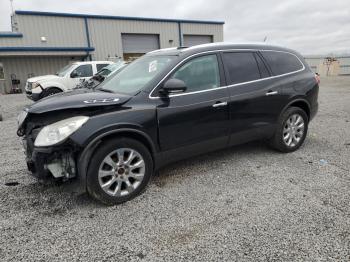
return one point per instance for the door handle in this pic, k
(271, 93)
(218, 104)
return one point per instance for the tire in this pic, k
(280, 139)
(50, 91)
(103, 170)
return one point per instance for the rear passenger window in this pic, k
(281, 62)
(241, 67)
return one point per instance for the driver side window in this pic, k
(82, 71)
(200, 73)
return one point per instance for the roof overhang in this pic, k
(38, 13)
(45, 51)
(10, 34)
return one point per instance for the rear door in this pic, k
(197, 120)
(255, 99)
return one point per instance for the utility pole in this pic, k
(11, 2)
(13, 20)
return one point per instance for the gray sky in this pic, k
(309, 26)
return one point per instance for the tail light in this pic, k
(317, 78)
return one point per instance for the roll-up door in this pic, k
(191, 40)
(135, 45)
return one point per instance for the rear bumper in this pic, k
(313, 111)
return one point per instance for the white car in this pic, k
(101, 75)
(65, 79)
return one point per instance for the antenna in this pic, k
(265, 38)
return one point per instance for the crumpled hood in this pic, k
(79, 98)
(42, 78)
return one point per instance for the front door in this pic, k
(196, 120)
(81, 73)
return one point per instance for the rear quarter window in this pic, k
(281, 62)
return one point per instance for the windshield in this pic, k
(113, 67)
(137, 74)
(63, 71)
(104, 72)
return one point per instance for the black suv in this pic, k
(169, 105)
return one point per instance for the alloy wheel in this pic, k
(121, 172)
(293, 130)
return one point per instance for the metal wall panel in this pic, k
(59, 32)
(22, 67)
(204, 29)
(105, 35)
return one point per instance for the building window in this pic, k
(2, 74)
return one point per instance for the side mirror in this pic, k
(74, 74)
(173, 86)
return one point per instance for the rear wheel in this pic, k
(291, 130)
(119, 170)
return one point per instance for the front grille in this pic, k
(29, 86)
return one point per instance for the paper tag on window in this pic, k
(152, 66)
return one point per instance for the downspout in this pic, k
(88, 55)
(180, 34)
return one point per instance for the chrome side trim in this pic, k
(271, 93)
(221, 87)
(220, 104)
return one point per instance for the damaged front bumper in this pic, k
(50, 163)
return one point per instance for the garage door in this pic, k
(135, 45)
(191, 40)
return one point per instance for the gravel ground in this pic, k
(247, 203)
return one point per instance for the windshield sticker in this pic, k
(152, 66)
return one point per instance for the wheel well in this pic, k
(132, 135)
(303, 105)
(53, 87)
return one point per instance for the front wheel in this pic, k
(119, 170)
(291, 130)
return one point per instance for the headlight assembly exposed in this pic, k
(59, 131)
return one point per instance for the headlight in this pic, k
(59, 131)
